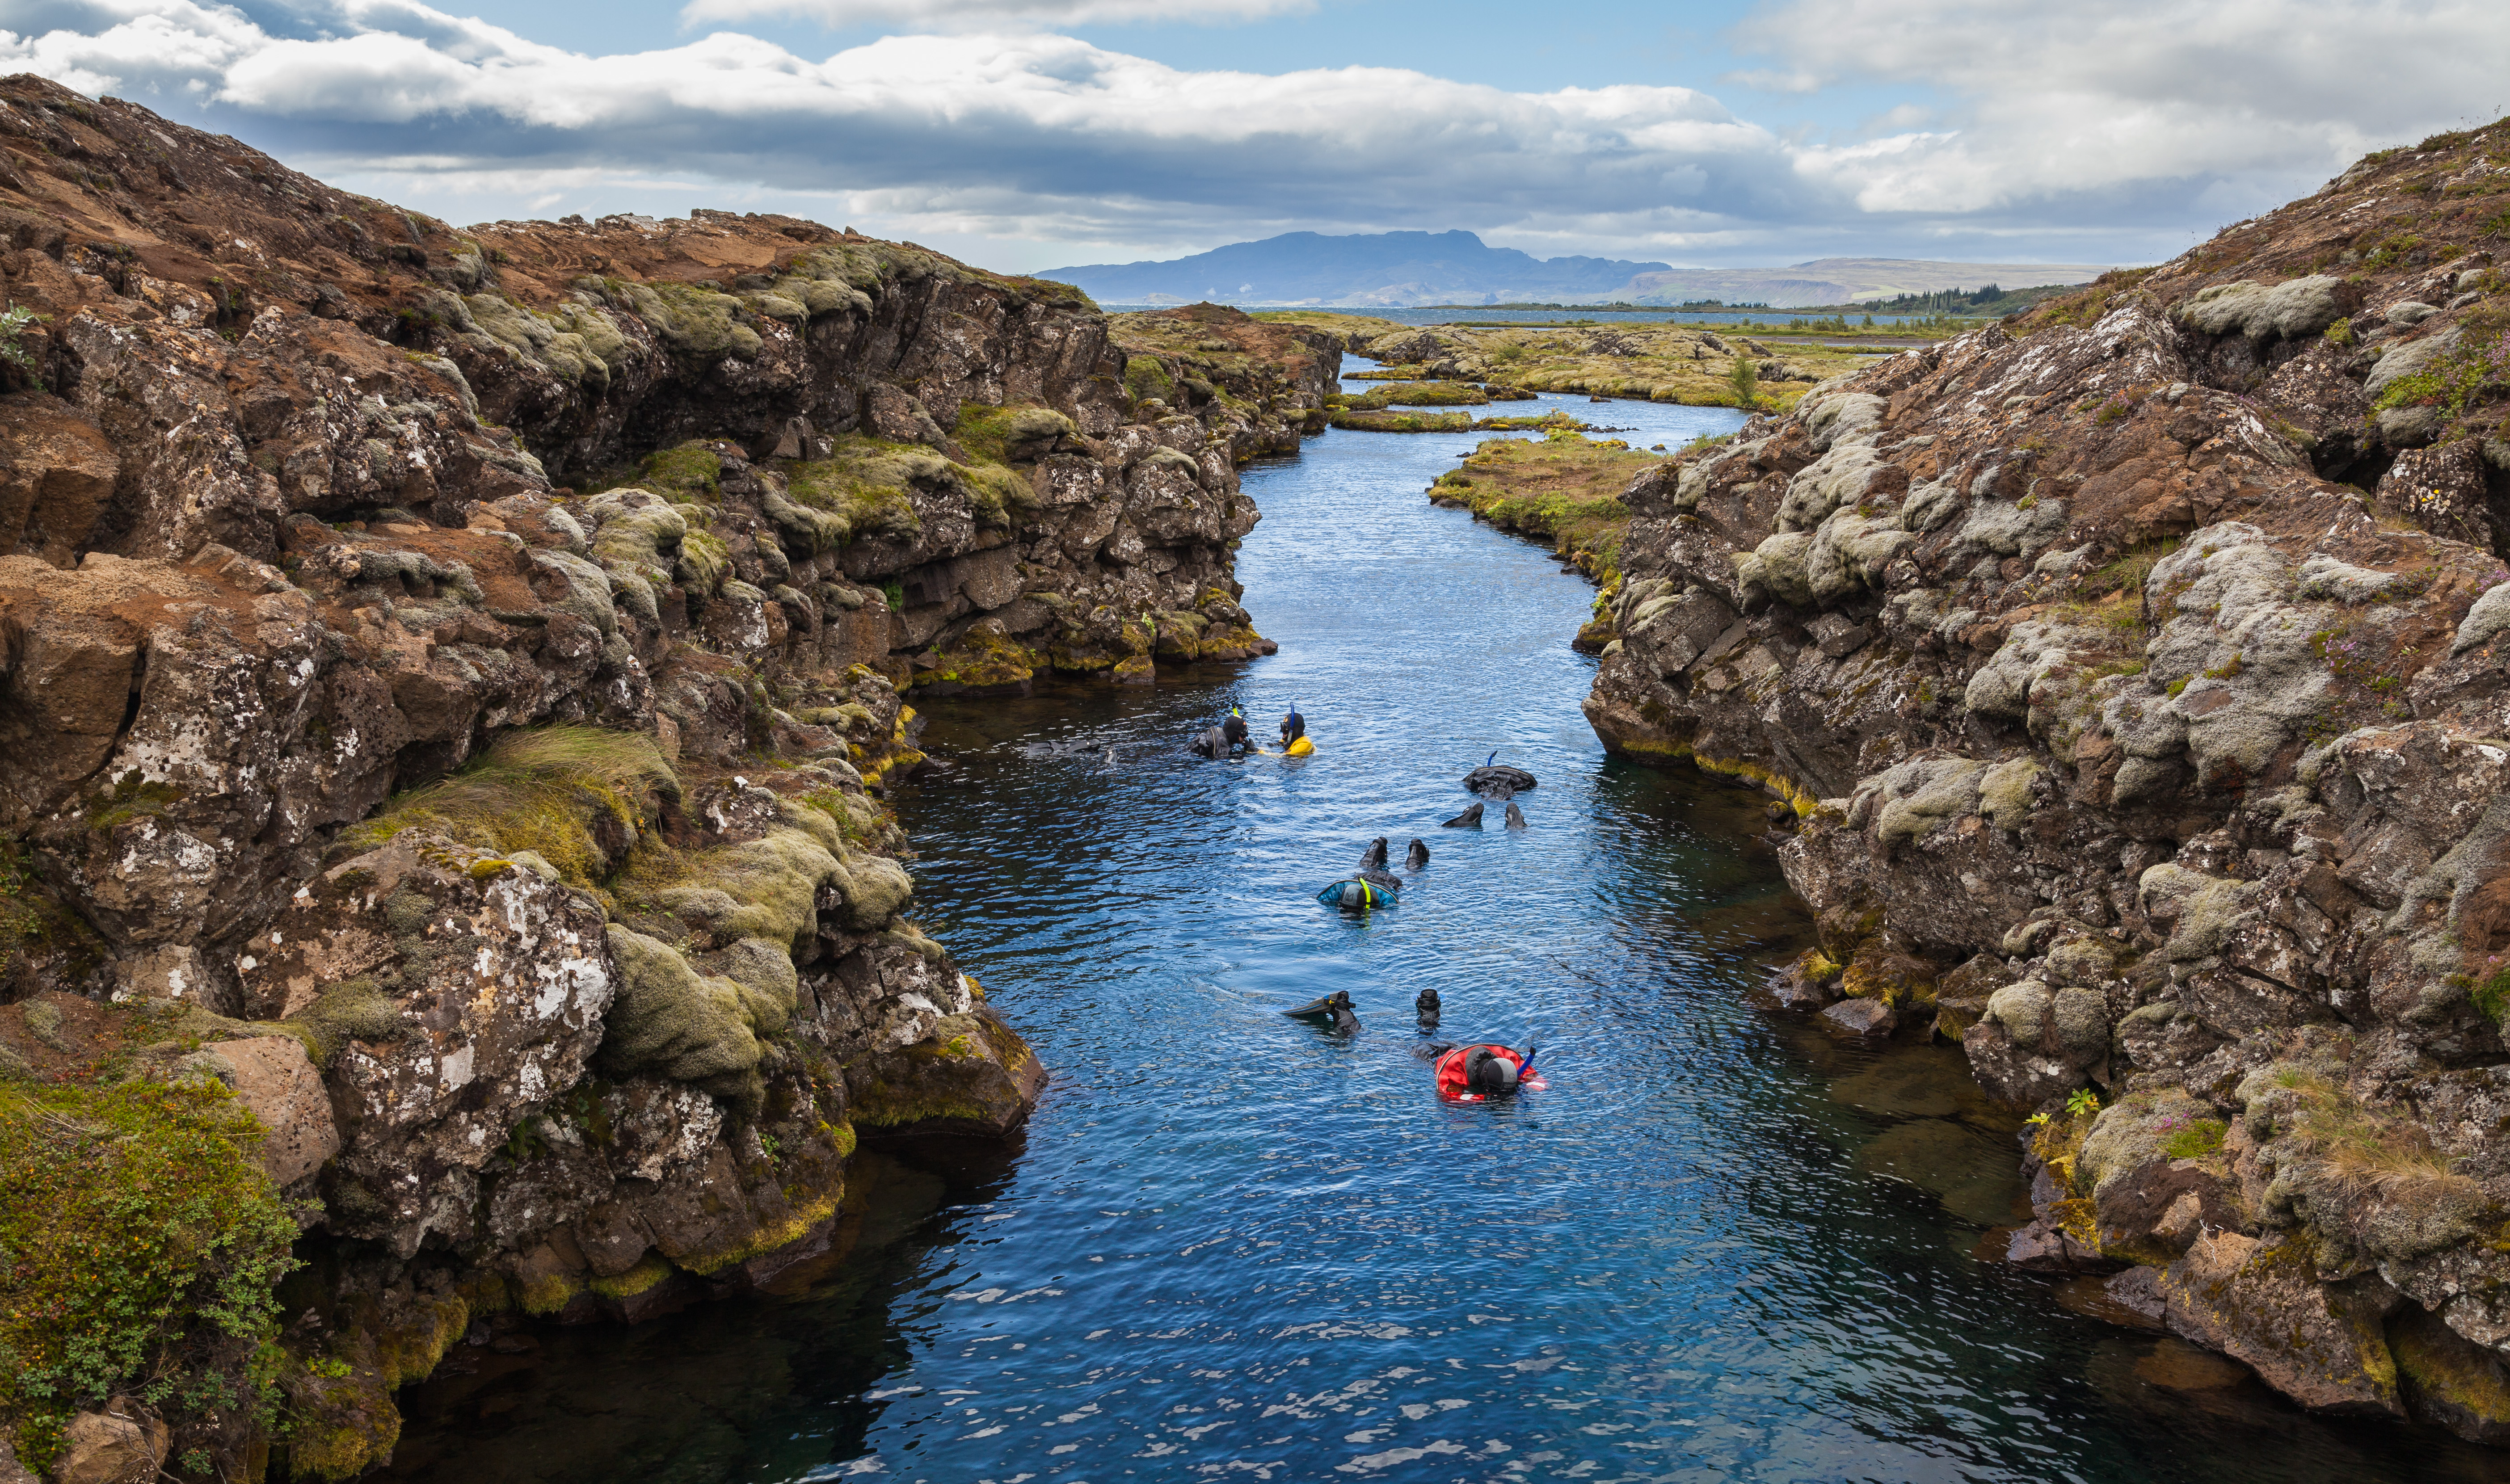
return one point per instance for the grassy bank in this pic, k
(1694, 366)
(1562, 490)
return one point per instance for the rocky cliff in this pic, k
(2134, 674)
(448, 684)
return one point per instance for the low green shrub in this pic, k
(141, 1248)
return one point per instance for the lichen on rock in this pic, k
(2176, 756)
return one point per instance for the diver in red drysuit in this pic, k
(1472, 1073)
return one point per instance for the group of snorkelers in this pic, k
(1466, 1072)
(1231, 736)
(1473, 1072)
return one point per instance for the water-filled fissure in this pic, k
(1232, 1244)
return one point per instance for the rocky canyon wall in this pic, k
(449, 681)
(2134, 676)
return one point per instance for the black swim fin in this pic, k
(1470, 818)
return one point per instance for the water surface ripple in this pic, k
(1232, 1246)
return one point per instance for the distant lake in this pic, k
(1776, 318)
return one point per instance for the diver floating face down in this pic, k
(1473, 1074)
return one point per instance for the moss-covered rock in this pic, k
(575, 797)
(703, 324)
(2449, 1379)
(985, 662)
(1379, 421)
(670, 1020)
(690, 473)
(972, 1075)
(1418, 394)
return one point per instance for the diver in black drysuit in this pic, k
(1224, 740)
(1332, 1011)
(1293, 726)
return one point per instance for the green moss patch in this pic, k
(1402, 422)
(140, 1249)
(689, 473)
(545, 792)
(1421, 393)
(1145, 377)
(704, 324)
(1013, 434)
(865, 487)
(2196, 1141)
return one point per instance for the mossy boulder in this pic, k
(972, 1075)
(2261, 1301)
(703, 324)
(670, 1020)
(2153, 1169)
(985, 662)
(2449, 1379)
(1379, 421)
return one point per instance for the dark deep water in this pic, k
(1714, 1248)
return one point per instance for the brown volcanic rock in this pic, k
(2182, 603)
(2321, 1346)
(358, 360)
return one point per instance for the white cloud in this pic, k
(995, 15)
(2070, 135)
(1771, 80)
(2137, 98)
(1035, 136)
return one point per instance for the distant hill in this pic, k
(1385, 268)
(1405, 268)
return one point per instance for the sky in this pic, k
(1025, 134)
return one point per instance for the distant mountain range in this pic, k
(1383, 269)
(1389, 269)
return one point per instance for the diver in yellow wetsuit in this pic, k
(1294, 734)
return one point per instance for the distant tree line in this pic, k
(1986, 300)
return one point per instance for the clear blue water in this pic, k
(1232, 1246)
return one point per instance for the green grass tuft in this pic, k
(2197, 1140)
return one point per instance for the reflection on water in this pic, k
(1717, 1246)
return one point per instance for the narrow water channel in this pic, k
(1231, 1246)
